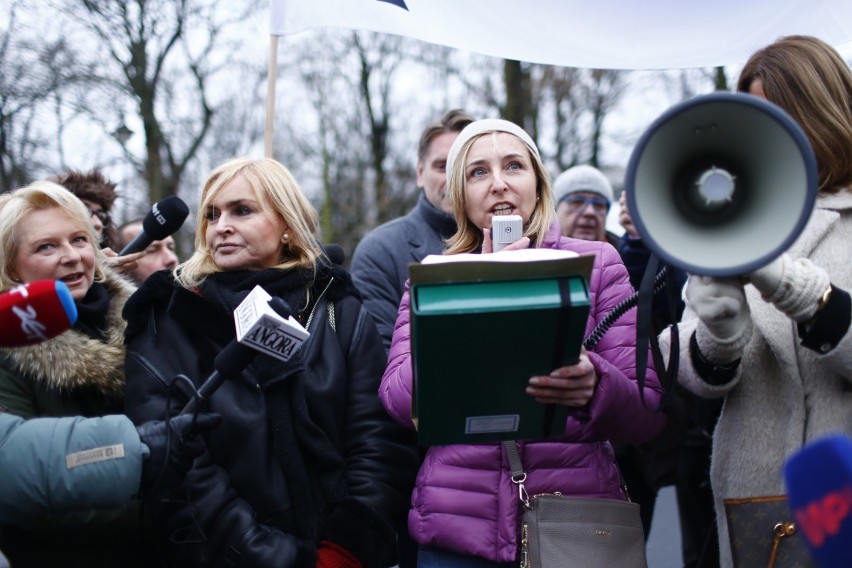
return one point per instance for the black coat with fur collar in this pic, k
(305, 451)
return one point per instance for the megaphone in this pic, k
(721, 184)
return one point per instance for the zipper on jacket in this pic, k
(314, 309)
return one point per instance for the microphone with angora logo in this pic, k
(35, 312)
(819, 488)
(165, 217)
(236, 355)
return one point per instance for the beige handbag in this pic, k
(558, 531)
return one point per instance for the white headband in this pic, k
(478, 127)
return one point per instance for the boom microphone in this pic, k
(35, 312)
(165, 217)
(819, 485)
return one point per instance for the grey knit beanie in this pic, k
(582, 178)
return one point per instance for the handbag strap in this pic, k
(518, 474)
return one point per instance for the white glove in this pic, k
(794, 286)
(725, 326)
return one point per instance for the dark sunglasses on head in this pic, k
(579, 202)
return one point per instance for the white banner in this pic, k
(603, 34)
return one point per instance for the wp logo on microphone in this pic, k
(822, 519)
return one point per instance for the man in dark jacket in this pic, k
(380, 261)
(680, 455)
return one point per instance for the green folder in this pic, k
(479, 331)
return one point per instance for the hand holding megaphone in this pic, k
(720, 304)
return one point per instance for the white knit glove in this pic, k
(725, 326)
(794, 286)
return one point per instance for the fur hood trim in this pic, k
(72, 360)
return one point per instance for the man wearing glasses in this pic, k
(98, 194)
(584, 197)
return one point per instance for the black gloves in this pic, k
(174, 445)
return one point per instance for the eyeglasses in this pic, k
(100, 214)
(579, 202)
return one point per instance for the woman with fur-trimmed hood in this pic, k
(47, 233)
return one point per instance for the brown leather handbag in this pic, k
(762, 533)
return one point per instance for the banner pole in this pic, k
(270, 95)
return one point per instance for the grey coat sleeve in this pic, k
(374, 273)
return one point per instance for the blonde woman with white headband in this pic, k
(465, 509)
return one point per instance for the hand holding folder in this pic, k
(482, 326)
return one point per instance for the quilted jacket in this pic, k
(464, 500)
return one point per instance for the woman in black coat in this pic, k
(306, 469)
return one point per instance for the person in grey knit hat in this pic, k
(584, 196)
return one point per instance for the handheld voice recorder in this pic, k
(505, 230)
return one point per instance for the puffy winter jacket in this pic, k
(38, 481)
(464, 499)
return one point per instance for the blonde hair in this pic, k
(278, 194)
(468, 237)
(809, 80)
(38, 196)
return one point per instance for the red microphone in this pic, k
(35, 312)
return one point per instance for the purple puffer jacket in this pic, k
(464, 499)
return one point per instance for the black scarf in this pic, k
(91, 312)
(298, 287)
(312, 465)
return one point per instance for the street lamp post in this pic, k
(122, 134)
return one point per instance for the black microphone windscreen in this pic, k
(235, 357)
(281, 307)
(166, 217)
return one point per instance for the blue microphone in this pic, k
(819, 486)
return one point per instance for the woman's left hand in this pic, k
(569, 386)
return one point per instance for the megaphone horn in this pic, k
(721, 184)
